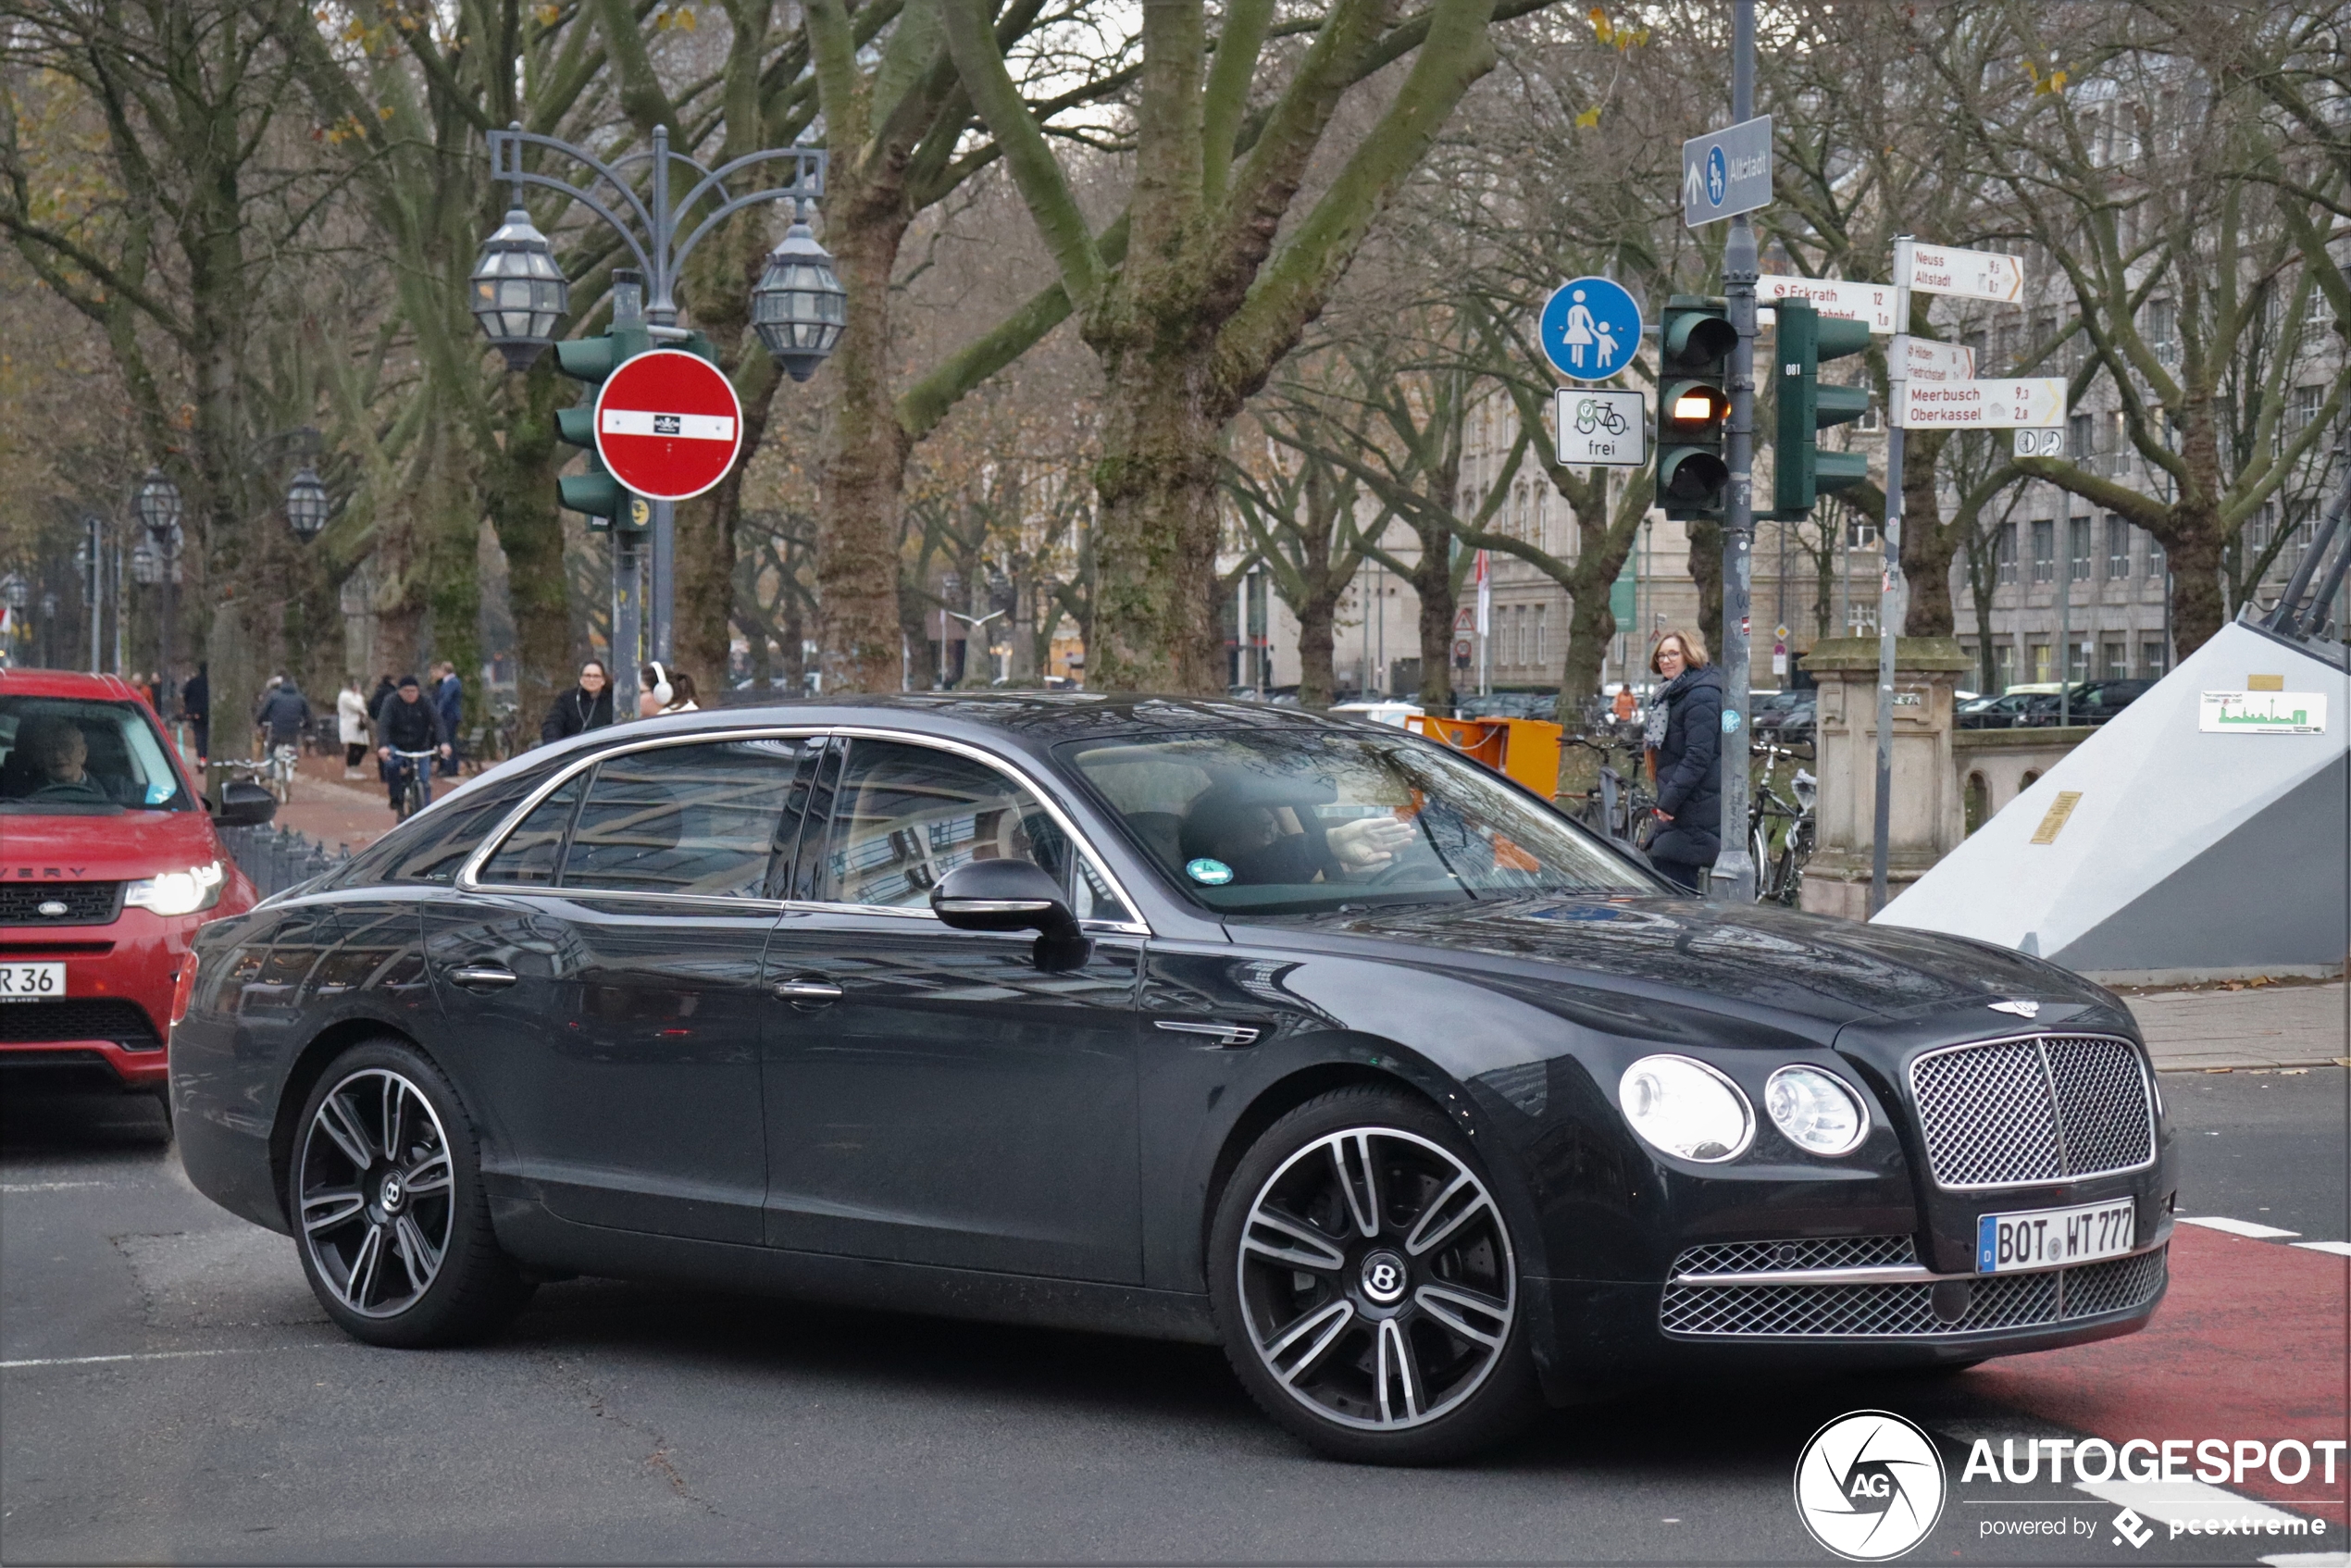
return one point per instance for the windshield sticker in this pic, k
(1214, 873)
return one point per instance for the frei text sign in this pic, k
(1970, 405)
(1727, 172)
(668, 425)
(1923, 359)
(2263, 713)
(1981, 275)
(1872, 302)
(1602, 429)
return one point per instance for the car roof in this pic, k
(1036, 717)
(67, 683)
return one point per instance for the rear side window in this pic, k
(702, 819)
(433, 847)
(533, 850)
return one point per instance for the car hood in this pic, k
(102, 849)
(1753, 957)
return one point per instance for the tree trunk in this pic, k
(520, 476)
(1927, 546)
(1317, 618)
(1706, 570)
(452, 566)
(1155, 621)
(2192, 554)
(1433, 580)
(727, 267)
(863, 469)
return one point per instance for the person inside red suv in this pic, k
(108, 863)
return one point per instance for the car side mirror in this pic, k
(244, 804)
(1003, 895)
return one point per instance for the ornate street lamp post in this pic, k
(519, 293)
(159, 506)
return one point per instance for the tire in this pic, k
(1415, 1338)
(397, 1248)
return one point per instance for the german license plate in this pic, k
(31, 982)
(2048, 1238)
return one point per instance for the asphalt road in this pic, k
(621, 1421)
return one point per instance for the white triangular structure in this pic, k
(2185, 851)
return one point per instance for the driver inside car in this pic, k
(59, 753)
(1268, 840)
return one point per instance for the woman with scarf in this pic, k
(1683, 742)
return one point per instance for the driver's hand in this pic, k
(1368, 842)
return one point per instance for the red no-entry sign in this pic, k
(668, 425)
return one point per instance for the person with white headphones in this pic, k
(665, 690)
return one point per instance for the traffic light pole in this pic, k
(1889, 588)
(1733, 874)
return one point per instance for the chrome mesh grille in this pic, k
(1989, 1120)
(1837, 1251)
(1899, 1311)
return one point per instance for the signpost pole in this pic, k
(1733, 872)
(1889, 580)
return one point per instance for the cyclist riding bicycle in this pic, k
(406, 723)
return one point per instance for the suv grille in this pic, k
(1905, 1312)
(37, 1023)
(2046, 1108)
(87, 904)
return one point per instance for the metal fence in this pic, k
(277, 858)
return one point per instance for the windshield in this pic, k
(1302, 821)
(64, 756)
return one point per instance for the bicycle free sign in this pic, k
(1602, 428)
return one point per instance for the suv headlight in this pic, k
(177, 892)
(1686, 1108)
(1817, 1109)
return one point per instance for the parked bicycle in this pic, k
(1780, 831)
(1621, 808)
(411, 777)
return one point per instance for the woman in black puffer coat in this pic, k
(1685, 745)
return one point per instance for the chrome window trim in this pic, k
(2033, 1037)
(467, 878)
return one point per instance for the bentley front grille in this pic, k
(1901, 1310)
(2044, 1108)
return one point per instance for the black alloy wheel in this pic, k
(1366, 1287)
(385, 1192)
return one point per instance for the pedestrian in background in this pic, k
(385, 686)
(406, 723)
(449, 696)
(195, 702)
(661, 690)
(1683, 742)
(351, 725)
(586, 706)
(285, 714)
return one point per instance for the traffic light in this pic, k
(1800, 470)
(595, 492)
(1693, 406)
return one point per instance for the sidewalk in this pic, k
(2282, 1025)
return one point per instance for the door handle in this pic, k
(808, 990)
(493, 975)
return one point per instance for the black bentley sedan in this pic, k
(1196, 1019)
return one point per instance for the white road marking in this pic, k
(2239, 1228)
(2184, 1501)
(2340, 1249)
(48, 1186)
(144, 1355)
(2310, 1560)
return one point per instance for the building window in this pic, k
(2114, 661)
(2081, 436)
(2040, 662)
(2044, 551)
(2304, 408)
(2161, 321)
(2077, 660)
(2003, 666)
(1542, 635)
(2117, 547)
(2003, 554)
(1860, 534)
(2077, 549)
(2150, 660)
(2156, 568)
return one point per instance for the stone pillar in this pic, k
(1927, 818)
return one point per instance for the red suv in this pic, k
(108, 863)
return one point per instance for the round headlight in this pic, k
(1816, 1110)
(1686, 1108)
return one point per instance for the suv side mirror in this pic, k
(244, 804)
(1003, 895)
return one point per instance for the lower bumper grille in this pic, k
(38, 1022)
(1906, 1309)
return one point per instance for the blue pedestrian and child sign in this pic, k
(1590, 327)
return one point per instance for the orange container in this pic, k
(1525, 749)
